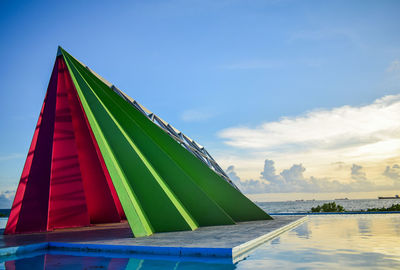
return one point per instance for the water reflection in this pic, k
(345, 241)
(364, 226)
(303, 231)
(276, 241)
(51, 261)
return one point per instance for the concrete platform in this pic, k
(218, 241)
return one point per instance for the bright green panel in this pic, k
(135, 215)
(233, 202)
(204, 210)
(160, 208)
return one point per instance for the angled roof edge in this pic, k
(191, 145)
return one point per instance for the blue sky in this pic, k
(219, 70)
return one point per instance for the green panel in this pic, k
(178, 167)
(149, 205)
(135, 215)
(203, 209)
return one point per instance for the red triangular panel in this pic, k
(102, 200)
(29, 209)
(65, 182)
(67, 202)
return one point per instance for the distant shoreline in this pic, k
(5, 212)
(335, 213)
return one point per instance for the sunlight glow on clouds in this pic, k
(344, 148)
(293, 180)
(326, 129)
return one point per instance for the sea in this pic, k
(303, 206)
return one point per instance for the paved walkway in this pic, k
(216, 236)
(117, 237)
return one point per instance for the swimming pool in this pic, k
(322, 242)
(333, 242)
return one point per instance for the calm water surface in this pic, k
(305, 206)
(333, 242)
(322, 242)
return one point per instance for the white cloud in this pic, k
(321, 140)
(341, 127)
(357, 173)
(230, 171)
(6, 198)
(393, 173)
(292, 180)
(195, 116)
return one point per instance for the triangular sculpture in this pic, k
(98, 156)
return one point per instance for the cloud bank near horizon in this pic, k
(293, 180)
(344, 149)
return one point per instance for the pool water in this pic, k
(322, 242)
(333, 242)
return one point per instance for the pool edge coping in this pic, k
(243, 249)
